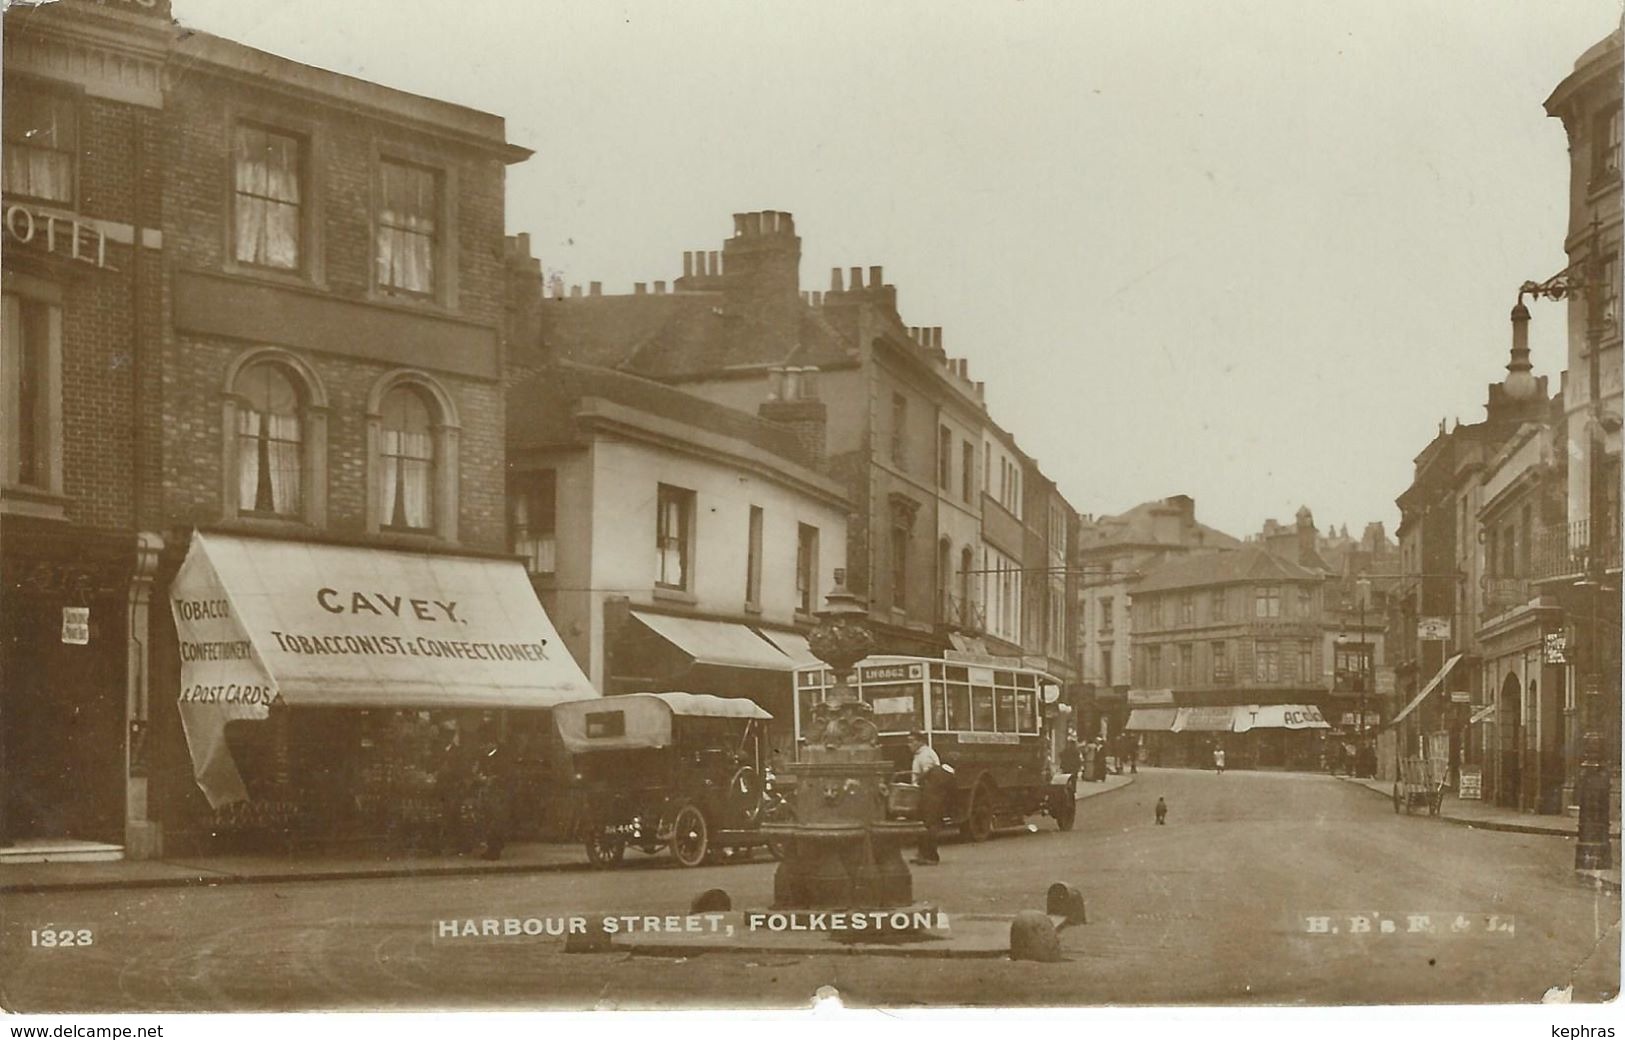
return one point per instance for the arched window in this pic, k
(270, 436)
(407, 458)
(412, 448)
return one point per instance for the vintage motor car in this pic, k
(683, 771)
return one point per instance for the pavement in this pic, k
(1261, 889)
(333, 864)
(1472, 812)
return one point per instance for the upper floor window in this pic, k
(1187, 609)
(1220, 652)
(269, 198)
(1216, 607)
(967, 470)
(41, 140)
(1267, 601)
(1266, 663)
(1153, 665)
(407, 457)
(806, 568)
(945, 458)
(1107, 617)
(674, 523)
(270, 442)
(1607, 146)
(1306, 601)
(533, 519)
(899, 423)
(407, 228)
(753, 559)
(31, 364)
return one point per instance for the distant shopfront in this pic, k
(1253, 736)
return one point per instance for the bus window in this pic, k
(1027, 710)
(939, 707)
(1005, 714)
(897, 707)
(959, 707)
(956, 674)
(981, 700)
(1004, 678)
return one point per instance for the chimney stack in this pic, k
(875, 277)
(640, 288)
(835, 279)
(660, 288)
(595, 288)
(855, 279)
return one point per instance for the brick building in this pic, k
(307, 388)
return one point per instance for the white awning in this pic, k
(794, 645)
(1206, 719)
(261, 621)
(1151, 720)
(1279, 716)
(1432, 685)
(716, 642)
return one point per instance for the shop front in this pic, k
(1252, 736)
(322, 686)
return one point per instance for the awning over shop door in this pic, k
(1433, 684)
(262, 621)
(1215, 719)
(794, 645)
(1151, 720)
(716, 642)
(1279, 716)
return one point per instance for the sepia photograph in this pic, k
(551, 505)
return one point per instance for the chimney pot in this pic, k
(753, 224)
(855, 279)
(875, 279)
(595, 288)
(575, 290)
(688, 263)
(714, 267)
(640, 288)
(660, 288)
(739, 224)
(834, 279)
(787, 223)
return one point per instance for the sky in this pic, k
(1252, 252)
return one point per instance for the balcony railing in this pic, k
(1565, 550)
(960, 613)
(1505, 593)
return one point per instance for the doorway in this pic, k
(1509, 714)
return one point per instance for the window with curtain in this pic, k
(26, 352)
(269, 442)
(41, 139)
(267, 169)
(532, 520)
(408, 211)
(674, 516)
(407, 456)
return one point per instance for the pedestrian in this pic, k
(1131, 751)
(1218, 760)
(934, 780)
(1162, 812)
(453, 778)
(1071, 758)
(496, 778)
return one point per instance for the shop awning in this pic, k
(262, 621)
(1279, 716)
(1433, 684)
(1206, 719)
(716, 642)
(1151, 720)
(793, 645)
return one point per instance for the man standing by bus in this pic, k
(934, 780)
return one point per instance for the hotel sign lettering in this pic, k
(59, 236)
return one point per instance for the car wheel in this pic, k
(690, 837)
(1067, 811)
(603, 852)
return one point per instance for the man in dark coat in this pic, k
(935, 780)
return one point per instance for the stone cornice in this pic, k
(119, 65)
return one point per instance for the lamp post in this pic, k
(1592, 851)
(1363, 593)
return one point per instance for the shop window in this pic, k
(806, 568)
(270, 442)
(269, 198)
(32, 371)
(533, 520)
(407, 228)
(407, 459)
(674, 522)
(41, 141)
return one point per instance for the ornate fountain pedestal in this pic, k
(842, 850)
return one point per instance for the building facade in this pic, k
(677, 544)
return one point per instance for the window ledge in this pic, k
(407, 302)
(21, 500)
(666, 595)
(273, 276)
(265, 523)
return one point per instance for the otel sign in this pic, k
(61, 236)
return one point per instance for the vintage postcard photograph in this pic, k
(971, 504)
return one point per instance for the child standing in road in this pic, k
(1162, 812)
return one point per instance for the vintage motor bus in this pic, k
(988, 723)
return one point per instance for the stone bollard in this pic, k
(712, 900)
(1033, 938)
(1065, 901)
(594, 940)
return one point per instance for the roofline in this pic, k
(469, 127)
(1592, 63)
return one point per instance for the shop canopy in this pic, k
(641, 720)
(262, 621)
(1433, 684)
(1279, 716)
(1151, 720)
(1226, 718)
(794, 645)
(717, 642)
